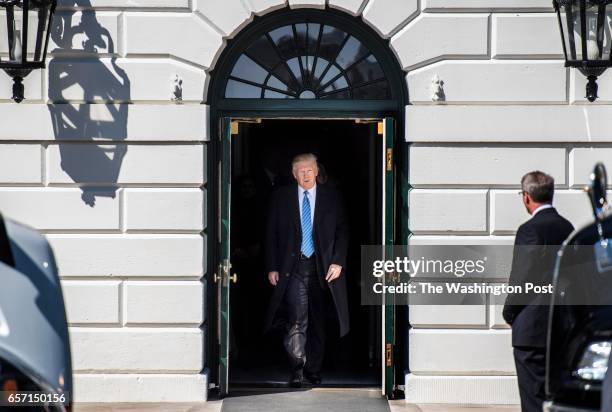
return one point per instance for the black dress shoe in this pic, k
(297, 379)
(313, 378)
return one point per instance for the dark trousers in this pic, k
(305, 305)
(530, 373)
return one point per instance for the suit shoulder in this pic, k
(555, 220)
(564, 220)
(526, 227)
(330, 190)
(551, 227)
(568, 227)
(527, 233)
(335, 196)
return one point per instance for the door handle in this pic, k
(233, 278)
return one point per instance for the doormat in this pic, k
(306, 400)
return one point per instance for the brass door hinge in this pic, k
(235, 127)
(389, 160)
(388, 355)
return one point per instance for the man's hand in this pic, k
(333, 272)
(273, 278)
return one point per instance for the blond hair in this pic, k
(304, 157)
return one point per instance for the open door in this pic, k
(387, 130)
(378, 150)
(222, 276)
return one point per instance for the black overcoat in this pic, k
(533, 261)
(284, 240)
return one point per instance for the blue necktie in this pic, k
(307, 242)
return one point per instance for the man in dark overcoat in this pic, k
(306, 246)
(536, 245)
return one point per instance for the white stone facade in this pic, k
(130, 240)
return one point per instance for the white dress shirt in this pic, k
(312, 197)
(545, 206)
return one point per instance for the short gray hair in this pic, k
(304, 157)
(539, 185)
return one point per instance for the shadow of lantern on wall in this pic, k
(26, 31)
(586, 36)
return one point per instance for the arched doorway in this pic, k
(294, 81)
(307, 62)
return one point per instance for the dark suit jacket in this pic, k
(284, 241)
(533, 261)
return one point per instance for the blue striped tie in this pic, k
(307, 243)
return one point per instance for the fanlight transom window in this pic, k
(307, 61)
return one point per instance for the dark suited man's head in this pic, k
(537, 189)
(305, 170)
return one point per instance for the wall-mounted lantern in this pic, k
(24, 36)
(586, 36)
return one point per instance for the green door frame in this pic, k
(222, 276)
(388, 240)
(219, 178)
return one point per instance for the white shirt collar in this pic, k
(544, 206)
(312, 191)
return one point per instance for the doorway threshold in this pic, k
(331, 400)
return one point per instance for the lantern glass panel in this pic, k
(576, 26)
(598, 30)
(38, 22)
(12, 31)
(593, 48)
(567, 39)
(607, 33)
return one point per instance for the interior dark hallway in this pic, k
(349, 155)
